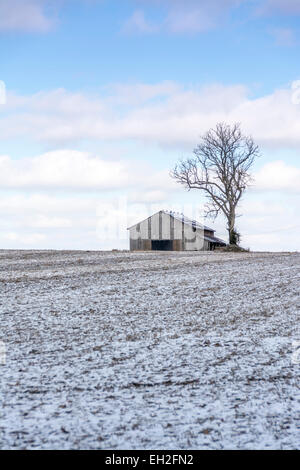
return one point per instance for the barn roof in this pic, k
(181, 218)
(186, 220)
(214, 240)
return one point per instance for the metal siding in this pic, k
(160, 226)
(155, 227)
(165, 230)
(144, 229)
(172, 228)
(134, 235)
(177, 229)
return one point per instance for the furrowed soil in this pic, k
(157, 350)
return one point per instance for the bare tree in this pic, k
(220, 168)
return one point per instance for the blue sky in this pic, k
(89, 46)
(104, 96)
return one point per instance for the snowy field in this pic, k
(149, 350)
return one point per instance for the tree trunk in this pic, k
(233, 239)
(233, 235)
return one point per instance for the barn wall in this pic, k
(165, 227)
(155, 226)
(162, 226)
(177, 229)
(146, 245)
(206, 245)
(190, 239)
(193, 240)
(144, 229)
(139, 231)
(139, 244)
(177, 245)
(134, 233)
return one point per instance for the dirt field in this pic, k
(149, 350)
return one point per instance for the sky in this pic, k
(100, 98)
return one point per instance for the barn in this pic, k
(171, 231)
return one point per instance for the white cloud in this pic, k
(137, 23)
(45, 222)
(155, 196)
(25, 16)
(284, 6)
(270, 216)
(122, 94)
(198, 16)
(68, 222)
(23, 240)
(62, 169)
(278, 176)
(70, 170)
(284, 36)
(270, 225)
(194, 16)
(79, 222)
(181, 16)
(164, 114)
(33, 203)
